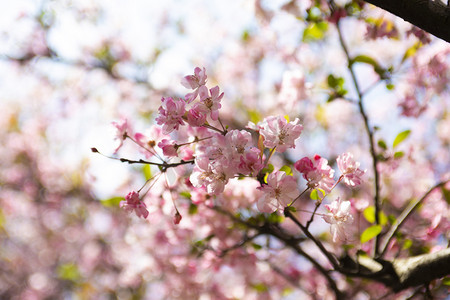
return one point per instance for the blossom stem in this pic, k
(223, 128)
(313, 214)
(369, 132)
(298, 197)
(194, 141)
(156, 177)
(163, 166)
(272, 151)
(223, 132)
(151, 151)
(170, 193)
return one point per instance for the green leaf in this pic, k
(446, 194)
(364, 59)
(382, 144)
(269, 169)
(185, 194)
(292, 209)
(370, 233)
(266, 171)
(399, 154)
(2, 219)
(192, 209)
(390, 86)
(286, 291)
(446, 281)
(275, 218)
(382, 72)
(317, 194)
(401, 137)
(260, 287)
(369, 215)
(411, 51)
(68, 271)
(245, 36)
(147, 171)
(256, 246)
(112, 202)
(407, 244)
(287, 170)
(315, 31)
(265, 178)
(254, 116)
(336, 85)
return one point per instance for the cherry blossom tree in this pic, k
(301, 155)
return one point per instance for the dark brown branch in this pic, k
(422, 269)
(408, 272)
(289, 241)
(431, 16)
(322, 248)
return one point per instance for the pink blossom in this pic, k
(279, 191)
(122, 131)
(132, 202)
(359, 204)
(169, 147)
(411, 107)
(213, 176)
(350, 169)
(277, 132)
(211, 103)
(317, 172)
(171, 114)
(149, 140)
(186, 153)
(251, 162)
(238, 140)
(194, 82)
(197, 115)
(339, 217)
(384, 29)
(423, 36)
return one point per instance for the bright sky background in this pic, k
(209, 28)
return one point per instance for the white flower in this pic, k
(339, 217)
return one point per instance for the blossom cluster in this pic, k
(220, 154)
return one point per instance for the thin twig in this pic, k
(244, 241)
(290, 242)
(325, 252)
(313, 214)
(404, 215)
(369, 132)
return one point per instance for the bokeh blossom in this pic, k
(350, 169)
(133, 203)
(339, 217)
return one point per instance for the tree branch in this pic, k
(369, 131)
(404, 215)
(431, 16)
(404, 273)
(421, 269)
